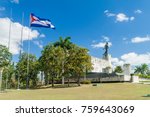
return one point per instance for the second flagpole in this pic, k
(28, 63)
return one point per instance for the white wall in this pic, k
(100, 64)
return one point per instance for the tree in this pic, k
(80, 59)
(118, 69)
(8, 73)
(64, 61)
(142, 69)
(5, 56)
(21, 70)
(5, 59)
(76, 59)
(51, 60)
(66, 44)
(138, 70)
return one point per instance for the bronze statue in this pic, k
(106, 47)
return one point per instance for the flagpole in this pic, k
(9, 30)
(27, 85)
(9, 43)
(21, 47)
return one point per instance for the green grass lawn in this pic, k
(104, 91)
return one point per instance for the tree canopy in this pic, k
(118, 69)
(5, 56)
(64, 59)
(21, 70)
(142, 69)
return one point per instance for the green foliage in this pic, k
(51, 62)
(144, 76)
(64, 59)
(118, 69)
(21, 70)
(5, 56)
(142, 69)
(80, 60)
(8, 76)
(86, 82)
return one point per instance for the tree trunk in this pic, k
(27, 82)
(78, 81)
(46, 79)
(52, 82)
(1, 72)
(63, 79)
(68, 82)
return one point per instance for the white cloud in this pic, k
(109, 14)
(138, 11)
(140, 39)
(120, 17)
(15, 1)
(140, 58)
(117, 62)
(105, 38)
(2, 8)
(15, 34)
(38, 43)
(132, 18)
(42, 36)
(106, 11)
(130, 59)
(100, 45)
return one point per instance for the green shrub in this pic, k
(86, 82)
(144, 76)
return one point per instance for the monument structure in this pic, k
(102, 65)
(103, 72)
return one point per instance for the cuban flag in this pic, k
(40, 22)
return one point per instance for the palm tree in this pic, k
(143, 69)
(137, 69)
(66, 44)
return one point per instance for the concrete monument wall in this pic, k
(101, 65)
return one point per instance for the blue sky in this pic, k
(124, 23)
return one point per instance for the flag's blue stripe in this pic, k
(37, 25)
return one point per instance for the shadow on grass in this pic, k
(56, 86)
(3, 91)
(148, 95)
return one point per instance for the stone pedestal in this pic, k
(127, 69)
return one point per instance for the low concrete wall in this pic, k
(135, 79)
(112, 79)
(103, 77)
(127, 78)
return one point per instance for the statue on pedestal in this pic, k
(106, 47)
